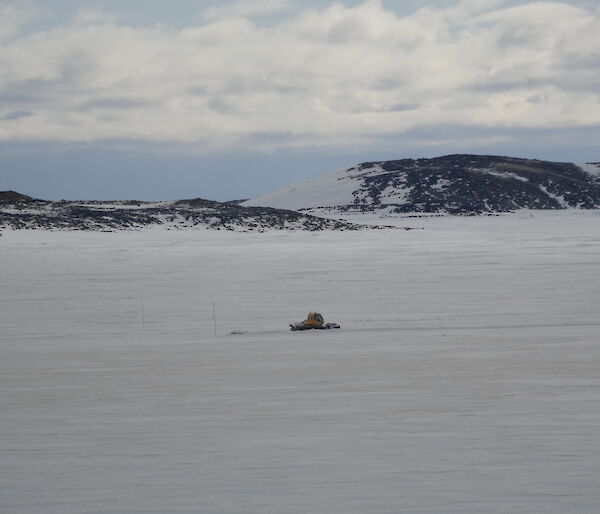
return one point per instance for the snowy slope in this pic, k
(456, 184)
(335, 189)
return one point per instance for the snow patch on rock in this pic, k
(593, 168)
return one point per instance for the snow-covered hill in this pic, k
(19, 211)
(456, 184)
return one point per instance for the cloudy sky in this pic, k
(160, 100)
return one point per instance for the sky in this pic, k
(154, 100)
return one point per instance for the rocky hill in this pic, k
(19, 211)
(14, 198)
(455, 184)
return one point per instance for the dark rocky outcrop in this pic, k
(14, 198)
(22, 212)
(474, 184)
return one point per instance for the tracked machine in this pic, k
(313, 321)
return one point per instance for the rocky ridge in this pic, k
(19, 211)
(454, 184)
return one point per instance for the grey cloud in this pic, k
(26, 92)
(403, 107)
(390, 83)
(199, 91)
(506, 84)
(17, 115)
(576, 62)
(515, 38)
(221, 106)
(114, 104)
(269, 137)
(399, 107)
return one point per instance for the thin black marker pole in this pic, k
(215, 317)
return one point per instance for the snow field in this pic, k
(464, 378)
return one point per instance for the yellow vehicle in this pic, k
(313, 320)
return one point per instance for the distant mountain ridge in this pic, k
(14, 198)
(18, 211)
(454, 184)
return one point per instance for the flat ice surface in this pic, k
(465, 377)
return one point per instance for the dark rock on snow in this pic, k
(475, 184)
(23, 212)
